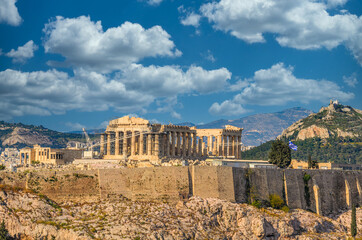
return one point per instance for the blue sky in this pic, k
(72, 64)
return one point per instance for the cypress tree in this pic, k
(280, 154)
(309, 161)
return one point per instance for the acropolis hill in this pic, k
(176, 202)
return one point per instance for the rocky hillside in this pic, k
(260, 128)
(30, 216)
(333, 134)
(21, 135)
(336, 120)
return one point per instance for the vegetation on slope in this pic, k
(335, 148)
(58, 139)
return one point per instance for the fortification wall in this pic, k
(324, 193)
(214, 182)
(165, 184)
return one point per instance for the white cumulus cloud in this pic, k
(300, 24)
(191, 19)
(278, 86)
(23, 53)
(55, 92)
(9, 13)
(83, 43)
(226, 108)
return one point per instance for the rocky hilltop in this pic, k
(260, 128)
(21, 135)
(334, 134)
(335, 120)
(31, 216)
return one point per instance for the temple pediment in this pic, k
(230, 127)
(126, 120)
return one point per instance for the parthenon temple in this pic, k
(138, 139)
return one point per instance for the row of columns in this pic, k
(221, 145)
(169, 144)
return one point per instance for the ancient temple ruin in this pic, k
(138, 139)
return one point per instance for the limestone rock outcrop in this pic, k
(37, 217)
(313, 131)
(26, 136)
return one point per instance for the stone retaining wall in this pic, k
(329, 191)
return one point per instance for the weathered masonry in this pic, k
(138, 139)
(323, 191)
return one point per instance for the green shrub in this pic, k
(2, 167)
(276, 201)
(285, 209)
(256, 203)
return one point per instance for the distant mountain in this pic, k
(333, 134)
(187, 124)
(20, 135)
(90, 131)
(260, 128)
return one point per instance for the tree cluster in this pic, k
(280, 154)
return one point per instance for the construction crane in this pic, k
(87, 138)
(89, 153)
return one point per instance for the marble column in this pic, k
(162, 145)
(189, 150)
(223, 141)
(209, 144)
(239, 148)
(214, 148)
(102, 144)
(157, 144)
(232, 146)
(194, 143)
(108, 143)
(200, 146)
(141, 150)
(184, 144)
(116, 144)
(203, 147)
(133, 143)
(167, 146)
(124, 148)
(219, 145)
(173, 144)
(149, 144)
(178, 138)
(236, 147)
(227, 145)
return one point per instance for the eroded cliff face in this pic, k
(26, 136)
(313, 131)
(35, 217)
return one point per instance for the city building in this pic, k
(338, 166)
